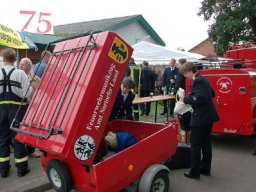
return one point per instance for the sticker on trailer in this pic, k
(84, 147)
(224, 85)
(118, 51)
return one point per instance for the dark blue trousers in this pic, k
(7, 137)
(200, 139)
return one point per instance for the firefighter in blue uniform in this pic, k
(14, 84)
(134, 71)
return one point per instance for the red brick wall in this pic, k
(205, 48)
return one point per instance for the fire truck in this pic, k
(234, 84)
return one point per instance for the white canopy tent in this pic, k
(157, 55)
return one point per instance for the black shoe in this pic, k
(142, 114)
(254, 153)
(147, 114)
(23, 172)
(5, 172)
(205, 173)
(188, 175)
(163, 113)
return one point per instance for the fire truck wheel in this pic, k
(58, 176)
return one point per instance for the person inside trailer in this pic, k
(122, 108)
(114, 142)
(119, 141)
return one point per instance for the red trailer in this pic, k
(235, 99)
(68, 118)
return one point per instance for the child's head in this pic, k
(127, 85)
(110, 140)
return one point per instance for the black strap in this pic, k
(4, 81)
(9, 81)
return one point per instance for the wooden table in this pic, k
(154, 99)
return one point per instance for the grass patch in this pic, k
(151, 117)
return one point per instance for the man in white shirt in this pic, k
(168, 82)
(26, 65)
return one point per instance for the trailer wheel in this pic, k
(58, 176)
(160, 182)
(155, 179)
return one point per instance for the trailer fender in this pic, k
(156, 171)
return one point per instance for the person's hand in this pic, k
(163, 88)
(172, 81)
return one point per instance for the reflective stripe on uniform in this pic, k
(136, 111)
(12, 102)
(4, 159)
(136, 79)
(21, 160)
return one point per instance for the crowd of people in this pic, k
(144, 79)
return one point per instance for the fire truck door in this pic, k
(232, 101)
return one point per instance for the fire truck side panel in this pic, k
(234, 100)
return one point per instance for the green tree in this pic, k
(233, 21)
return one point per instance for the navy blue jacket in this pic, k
(168, 75)
(180, 82)
(200, 98)
(122, 109)
(147, 79)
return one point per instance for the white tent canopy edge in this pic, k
(157, 55)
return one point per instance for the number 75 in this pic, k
(41, 21)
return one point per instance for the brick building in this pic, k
(205, 48)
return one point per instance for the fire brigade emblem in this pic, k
(224, 85)
(118, 51)
(84, 147)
